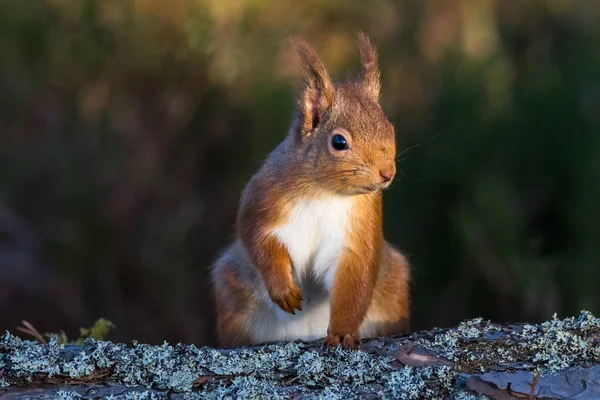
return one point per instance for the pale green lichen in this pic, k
(550, 346)
(336, 374)
(174, 367)
(404, 384)
(137, 395)
(505, 354)
(585, 322)
(145, 395)
(260, 372)
(79, 367)
(475, 328)
(96, 354)
(468, 396)
(243, 387)
(32, 357)
(419, 383)
(470, 329)
(337, 392)
(67, 395)
(240, 361)
(447, 344)
(339, 366)
(558, 344)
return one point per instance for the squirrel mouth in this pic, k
(373, 187)
(370, 188)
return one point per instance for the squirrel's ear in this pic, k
(370, 67)
(318, 92)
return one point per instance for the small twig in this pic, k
(201, 380)
(30, 330)
(533, 384)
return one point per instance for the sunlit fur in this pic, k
(310, 260)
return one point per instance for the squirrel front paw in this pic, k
(349, 341)
(289, 299)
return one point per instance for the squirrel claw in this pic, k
(291, 301)
(348, 341)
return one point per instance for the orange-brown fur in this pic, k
(370, 279)
(356, 277)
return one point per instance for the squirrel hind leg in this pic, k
(232, 299)
(389, 313)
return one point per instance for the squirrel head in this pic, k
(345, 140)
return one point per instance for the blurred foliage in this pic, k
(128, 129)
(98, 331)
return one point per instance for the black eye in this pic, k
(339, 143)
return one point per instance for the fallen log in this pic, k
(558, 359)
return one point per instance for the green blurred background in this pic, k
(129, 128)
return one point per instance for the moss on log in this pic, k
(478, 359)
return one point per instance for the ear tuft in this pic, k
(318, 92)
(370, 66)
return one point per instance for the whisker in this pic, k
(419, 144)
(403, 158)
(408, 149)
(351, 163)
(335, 173)
(362, 158)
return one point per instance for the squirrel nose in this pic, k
(386, 174)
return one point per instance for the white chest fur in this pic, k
(314, 235)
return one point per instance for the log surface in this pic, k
(558, 359)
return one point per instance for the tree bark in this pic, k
(558, 359)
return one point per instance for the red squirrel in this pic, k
(309, 260)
